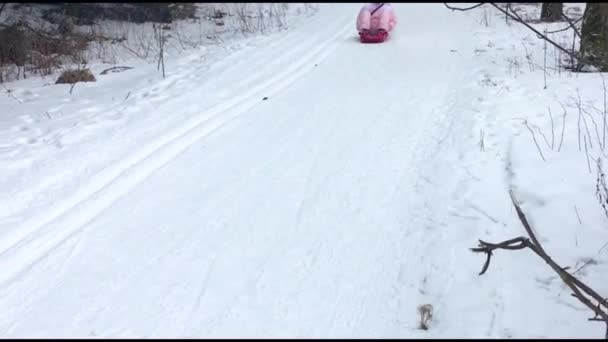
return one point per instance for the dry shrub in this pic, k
(76, 75)
(37, 52)
(90, 13)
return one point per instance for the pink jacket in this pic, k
(383, 18)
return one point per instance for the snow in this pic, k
(189, 206)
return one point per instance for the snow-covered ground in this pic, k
(301, 184)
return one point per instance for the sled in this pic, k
(373, 36)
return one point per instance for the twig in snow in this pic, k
(540, 132)
(72, 87)
(597, 132)
(587, 154)
(545, 62)
(579, 104)
(563, 127)
(10, 94)
(159, 34)
(528, 57)
(535, 142)
(578, 125)
(601, 189)
(580, 290)
(552, 129)
(577, 215)
(588, 262)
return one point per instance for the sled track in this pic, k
(176, 84)
(38, 236)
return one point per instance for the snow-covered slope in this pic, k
(305, 185)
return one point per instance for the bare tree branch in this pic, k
(115, 69)
(572, 25)
(510, 13)
(10, 93)
(463, 9)
(535, 142)
(513, 15)
(580, 290)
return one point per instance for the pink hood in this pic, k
(383, 18)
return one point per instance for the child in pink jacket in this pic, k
(376, 16)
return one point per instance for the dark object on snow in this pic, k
(373, 36)
(75, 76)
(265, 98)
(115, 69)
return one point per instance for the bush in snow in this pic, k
(75, 76)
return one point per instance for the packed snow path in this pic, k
(322, 211)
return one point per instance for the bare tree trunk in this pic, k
(551, 11)
(594, 40)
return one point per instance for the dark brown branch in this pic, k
(572, 25)
(488, 248)
(559, 30)
(547, 258)
(519, 19)
(580, 291)
(115, 69)
(524, 221)
(510, 13)
(463, 9)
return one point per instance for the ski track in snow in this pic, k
(101, 191)
(326, 211)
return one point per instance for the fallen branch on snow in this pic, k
(580, 290)
(10, 93)
(115, 69)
